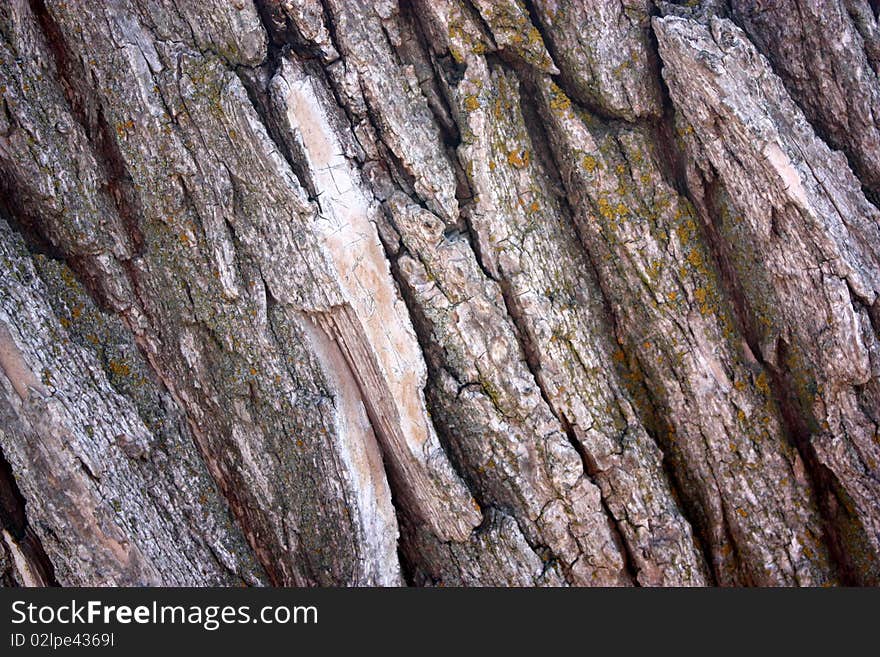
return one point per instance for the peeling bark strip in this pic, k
(459, 292)
(372, 329)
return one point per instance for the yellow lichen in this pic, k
(762, 384)
(559, 102)
(471, 103)
(590, 163)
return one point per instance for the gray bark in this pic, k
(439, 292)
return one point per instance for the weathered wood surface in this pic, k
(439, 292)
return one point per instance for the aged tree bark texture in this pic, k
(440, 292)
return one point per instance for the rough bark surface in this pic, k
(439, 292)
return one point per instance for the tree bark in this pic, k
(439, 292)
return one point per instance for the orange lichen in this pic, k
(518, 159)
(123, 127)
(119, 368)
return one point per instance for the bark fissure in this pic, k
(795, 422)
(91, 117)
(434, 358)
(647, 410)
(35, 569)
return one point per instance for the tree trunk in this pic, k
(439, 292)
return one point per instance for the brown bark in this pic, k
(458, 292)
